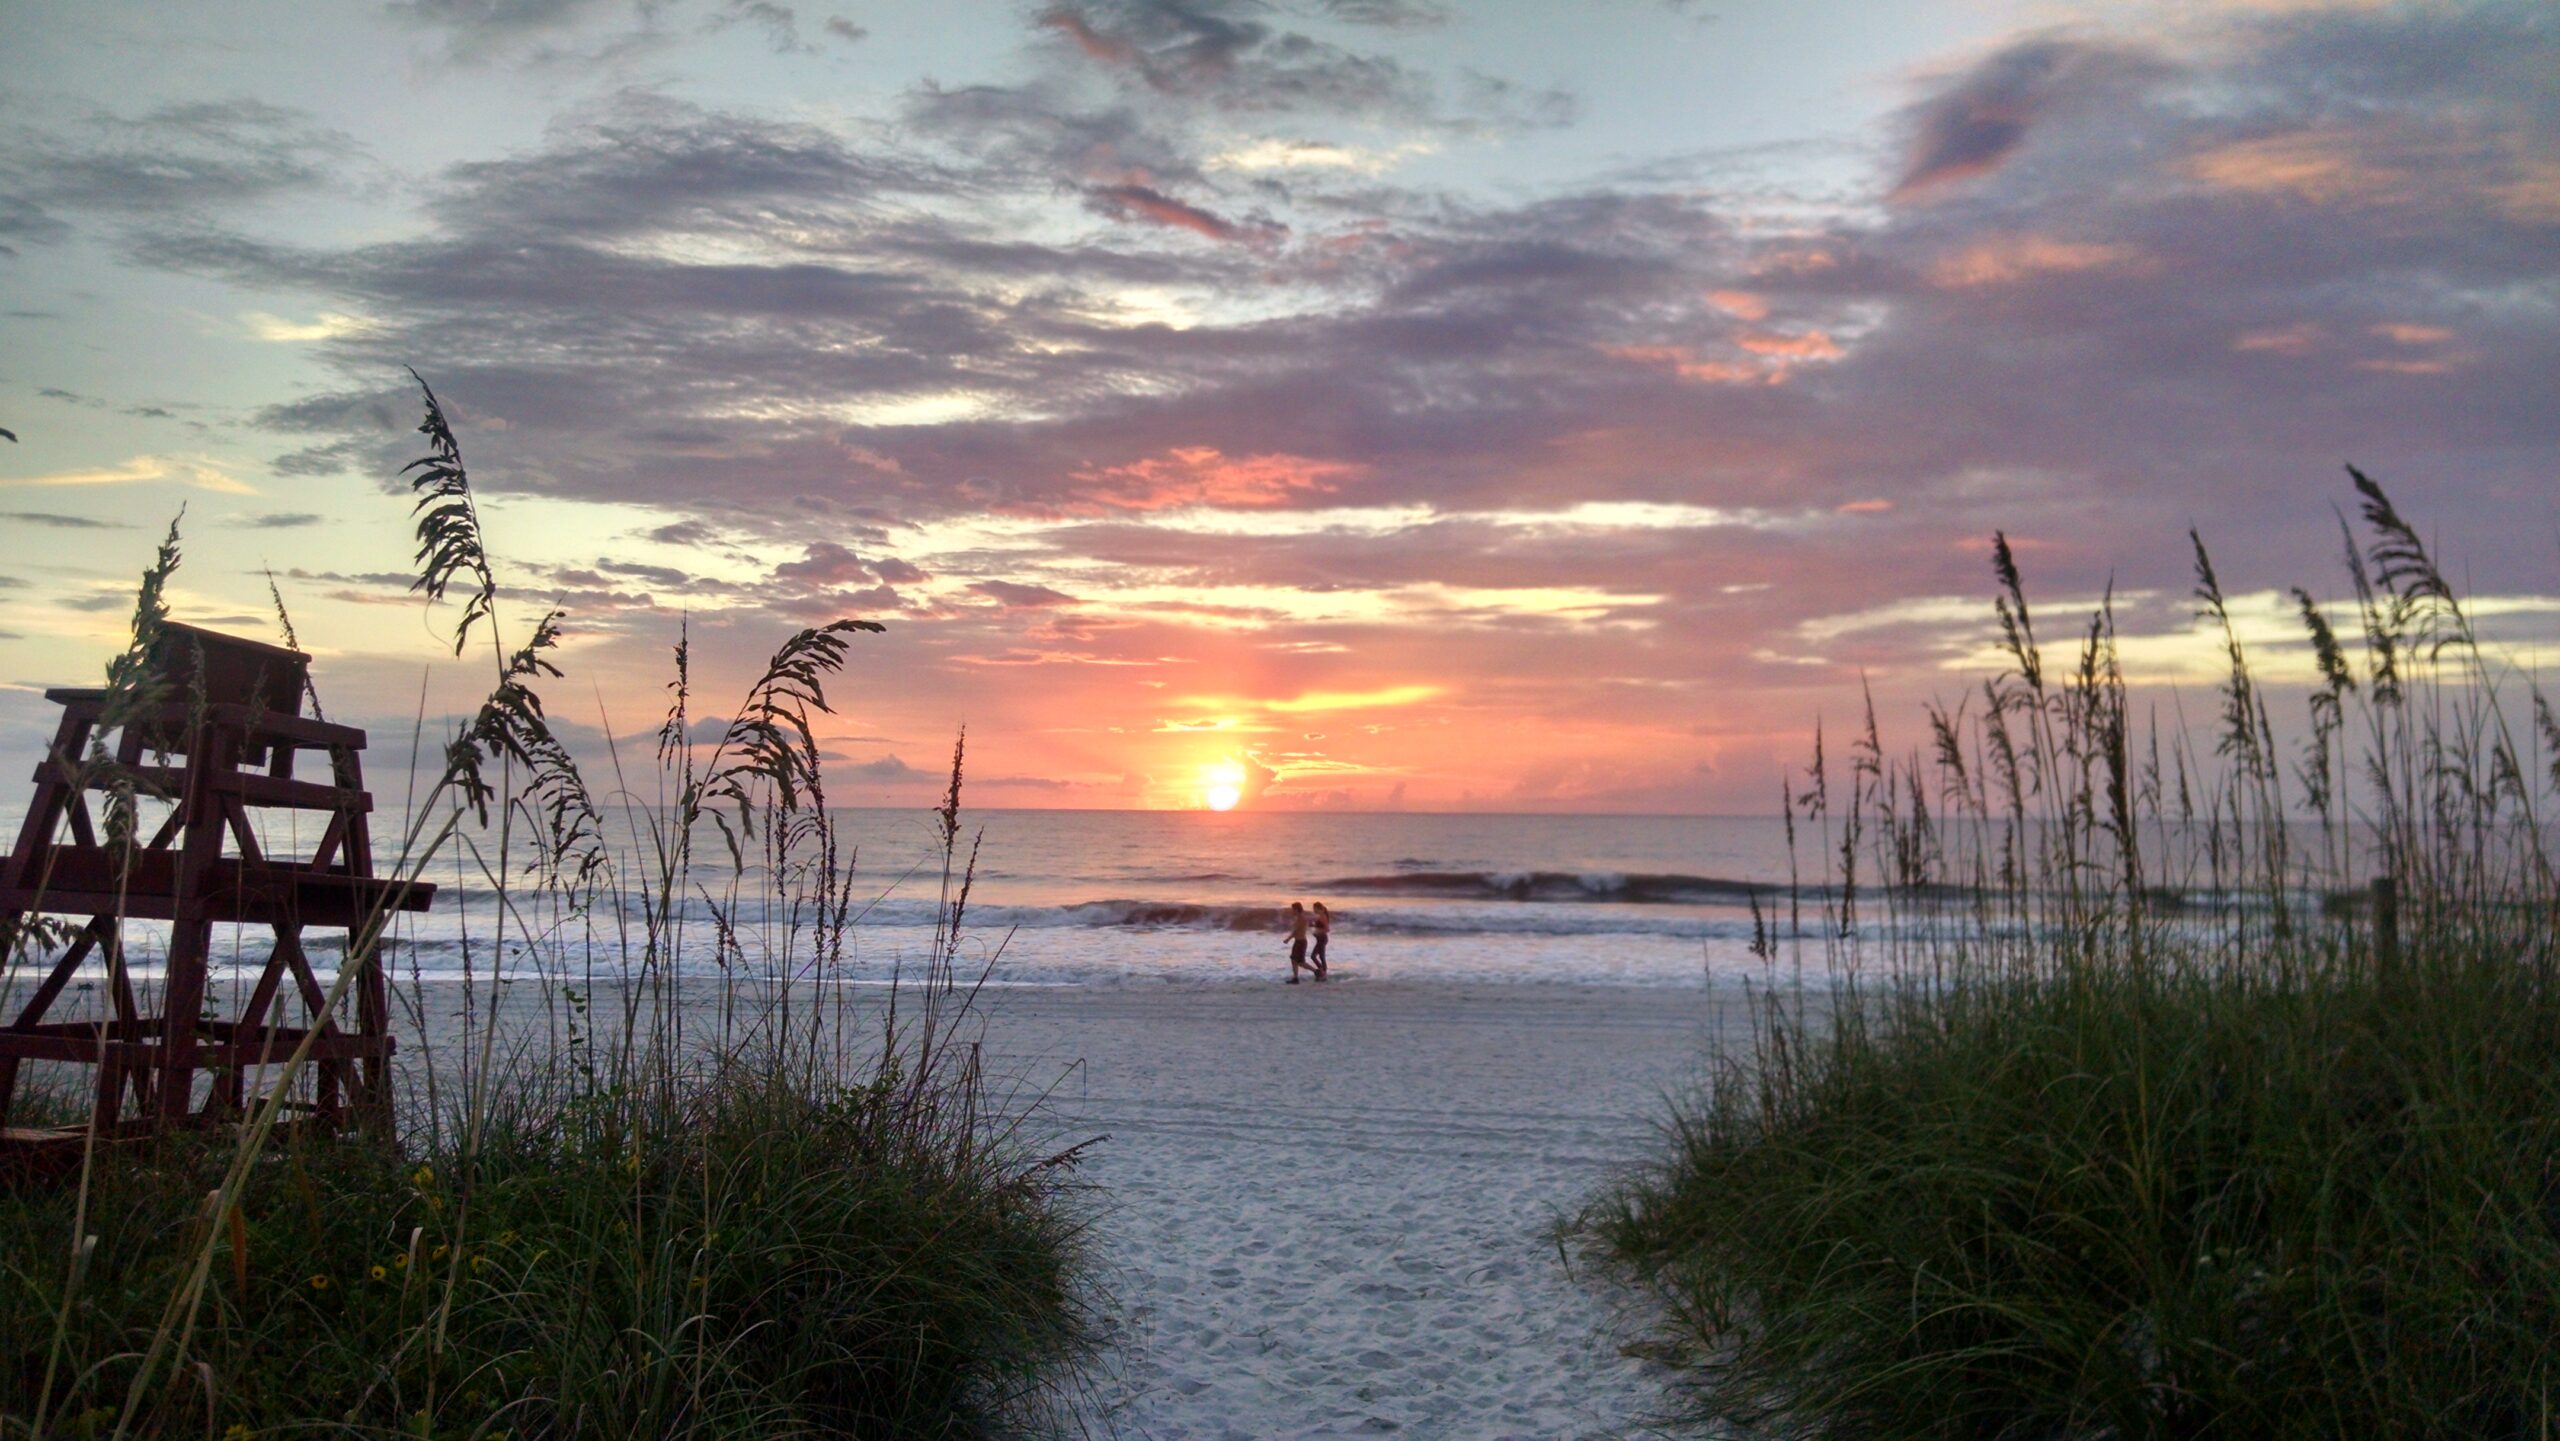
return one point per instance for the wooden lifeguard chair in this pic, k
(216, 743)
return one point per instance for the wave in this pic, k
(1266, 920)
(1554, 886)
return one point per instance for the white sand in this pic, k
(1327, 1209)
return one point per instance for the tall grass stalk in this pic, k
(623, 1198)
(2162, 1092)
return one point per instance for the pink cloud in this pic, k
(1204, 475)
(1140, 202)
(1109, 49)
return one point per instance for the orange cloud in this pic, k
(2323, 167)
(1811, 345)
(2006, 259)
(2287, 340)
(1322, 700)
(1866, 507)
(1202, 475)
(2407, 334)
(1684, 362)
(1740, 304)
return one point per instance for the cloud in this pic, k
(196, 471)
(1140, 202)
(62, 522)
(1013, 596)
(326, 326)
(887, 770)
(1390, 14)
(185, 158)
(2007, 259)
(1201, 475)
(1980, 119)
(1228, 56)
(283, 520)
(478, 29)
(823, 564)
(1338, 439)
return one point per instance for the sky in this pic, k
(1368, 404)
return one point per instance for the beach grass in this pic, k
(2140, 1112)
(619, 1200)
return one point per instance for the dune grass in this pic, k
(2143, 1113)
(621, 1200)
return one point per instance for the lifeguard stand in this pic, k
(216, 743)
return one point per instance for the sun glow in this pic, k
(1221, 785)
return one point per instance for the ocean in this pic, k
(1119, 898)
(1136, 897)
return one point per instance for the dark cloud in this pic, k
(22, 219)
(885, 770)
(283, 520)
(843, 29)
(1390, 14)
(1228, 56)
(823, 564)
(1140, 202)
(780, 23)
(641, 163)
(684, 532)
(178, 158)
(1015, 596)
(1980, 118)
(62, 522)
(659, 575)
(479, 29)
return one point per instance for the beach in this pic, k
(1328, 1210)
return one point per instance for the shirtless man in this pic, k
(1298, 942)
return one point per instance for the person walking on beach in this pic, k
(1298, 942)
(1323, 926)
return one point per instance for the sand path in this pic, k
(1325, 1210)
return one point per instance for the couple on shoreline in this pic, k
(1299, 925)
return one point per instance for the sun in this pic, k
(1221, 785)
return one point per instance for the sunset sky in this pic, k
(1370, 403)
